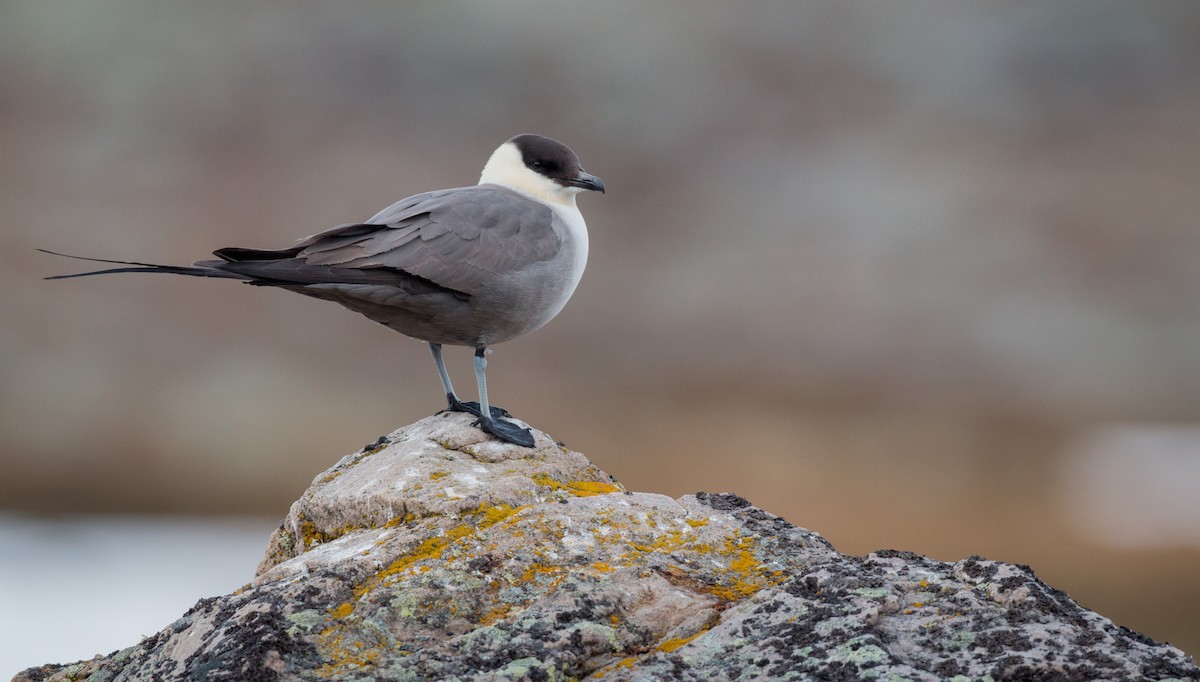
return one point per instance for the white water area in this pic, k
(75, 587)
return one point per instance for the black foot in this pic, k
(473, 408)
(506, 431)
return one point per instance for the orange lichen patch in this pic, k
(676, 642)
(434, 547)
(548, 481)
(402, 519)
(496, 614)
(623, 663)
(576, 488)
(746, 574)
(539, 569)
(311, 536)
(494, 513)
(589, 488)
(438, 475)
(745, 561)
(342, 610)
(431, 548)
(668, 542)
(341, 656)
(603, 566)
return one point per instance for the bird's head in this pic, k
(541, 167)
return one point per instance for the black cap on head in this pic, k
(556, 161)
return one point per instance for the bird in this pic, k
(469, 266)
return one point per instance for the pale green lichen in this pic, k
(961, 639)
(856, 651)
(520, 669)
(124, 654)
(304, 621)
(341, 648)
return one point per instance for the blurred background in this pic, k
(921, 276)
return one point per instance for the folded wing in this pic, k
(451, 240)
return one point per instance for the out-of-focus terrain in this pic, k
(917, 276)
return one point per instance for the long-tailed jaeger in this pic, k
(469, 266)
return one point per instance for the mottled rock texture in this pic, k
(443, 554)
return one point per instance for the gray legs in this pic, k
(481, 379)
(493, 424)
(500, 428)
(436, 349)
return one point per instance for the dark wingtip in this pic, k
(237, 254)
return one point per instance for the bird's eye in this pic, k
(536, 165)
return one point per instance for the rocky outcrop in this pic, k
(440, 553)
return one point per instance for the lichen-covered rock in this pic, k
(442, 554)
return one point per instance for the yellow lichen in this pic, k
(697, 523)
(438, 475)
(676, 642)
(494, 513)
(342, 610)
(548, 481)
(340, 656)
(401, 519)
(343, 654)
(310, 535)
(537, 569)
(576, 488)
(589, 488)
(623, 663)
(496, 614)
(666, 542)
(434, 547)
(746, 574)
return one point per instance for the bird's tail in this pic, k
(196, 270)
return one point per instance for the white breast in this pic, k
(577, 236)
(575, 242)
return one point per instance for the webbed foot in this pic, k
(472, 407)
(506, 431)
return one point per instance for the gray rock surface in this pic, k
(443, 554)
